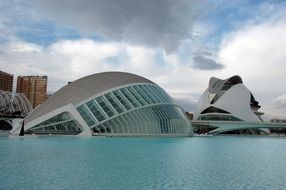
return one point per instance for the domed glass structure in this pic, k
(110, 104)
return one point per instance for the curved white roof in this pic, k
(216, 84)
(84, 88)
(14, 104)
(229, 95)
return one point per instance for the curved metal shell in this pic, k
(14, 105)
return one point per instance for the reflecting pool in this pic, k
(143, 163)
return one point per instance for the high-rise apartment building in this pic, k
(34, 87)
(6, 81)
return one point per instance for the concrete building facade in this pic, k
(6, 81)
(34, 88)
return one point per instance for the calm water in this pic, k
(130, 163)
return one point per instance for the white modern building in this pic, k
(13, 108)
(229, 100)
(109, 104)
(14, 104)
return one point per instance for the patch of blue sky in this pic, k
(185, 51)
(116, 60)
(226, 16)
(44, 32)
(3, 39)
(97, 38)
(159, 59)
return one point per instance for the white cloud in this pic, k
(83, 57)
(276, 107)
(186, 101)
(137, 28)
(257, 52)
(22, 47)
(68, 60)
(280, 101)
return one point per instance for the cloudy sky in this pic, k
(179, 44)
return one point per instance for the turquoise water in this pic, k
(130, 163)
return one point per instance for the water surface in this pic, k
(143, 163)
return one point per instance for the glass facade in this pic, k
(151, 120)
(134, 110)
(141, 109)
(218, 117)
(62, 123)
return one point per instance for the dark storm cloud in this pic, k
(205, 63)
(156, 23)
